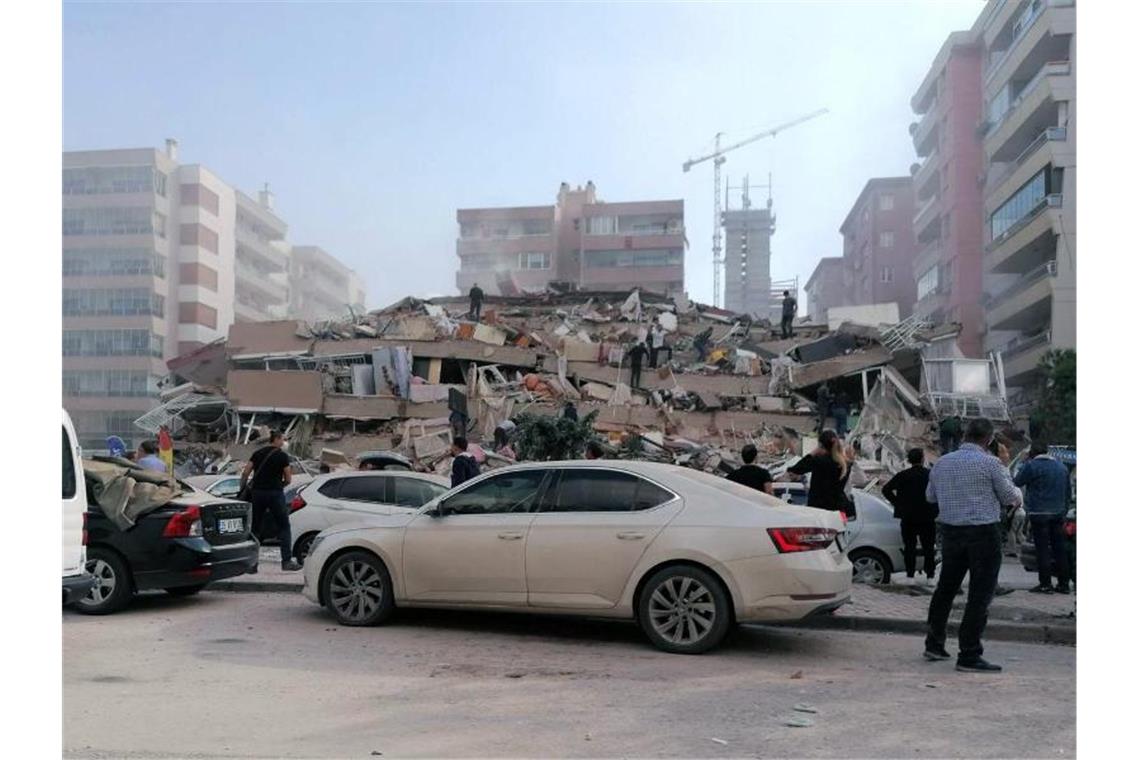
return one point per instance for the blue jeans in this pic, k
(973, 549)
(272, 500)
(1052, 552)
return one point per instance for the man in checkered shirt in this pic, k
(970, 487)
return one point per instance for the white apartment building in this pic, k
(321, 287)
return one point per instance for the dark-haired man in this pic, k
(750, 474)
(463, 466)
(268, 471)
(906, 492)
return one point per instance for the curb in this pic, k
(996, 631)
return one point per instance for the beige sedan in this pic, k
(684, 553)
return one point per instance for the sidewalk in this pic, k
(1018, 616)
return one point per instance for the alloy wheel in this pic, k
(868, 570)
(105, 582)
(356, 590)
(682, 610)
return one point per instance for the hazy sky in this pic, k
(374, 122)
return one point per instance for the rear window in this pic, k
(603, 491)
(68, 467)
(373, 489)
(330, 488)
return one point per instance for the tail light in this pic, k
(184, 524)
(85, 529)
(789, 540)
(297, 503)
(843, 517)
(1070, 528)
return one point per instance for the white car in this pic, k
(874, 539)
(339, 497)
(684, 553)
(76, 580)
(228, 486)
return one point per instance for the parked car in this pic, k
(76, 580)
(228, 486)
(180, 547)
(684, 553)
(1029, 549)
(873, 541)
(340, 497)
(383, 460)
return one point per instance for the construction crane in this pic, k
(718, 158)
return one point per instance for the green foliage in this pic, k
(1054, 420)
(540, 438)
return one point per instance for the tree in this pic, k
(1054, 421)
(539, 438)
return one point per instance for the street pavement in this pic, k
(270, 675)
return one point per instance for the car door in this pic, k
(474, 551)
(361, 497)
(593, 526)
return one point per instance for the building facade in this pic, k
(321, 287)
(262, 256)
(748, 258)
(581, 241)
(879, 245)
(824, 289)
(948, 221)
(1029, 147)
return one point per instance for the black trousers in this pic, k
(786, 327)
(476, 309)
(635, 376)
(1052, 551)
(272, 500)
(912, 533)
(973, 549)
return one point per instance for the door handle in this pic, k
(510, 536)
(630, 536)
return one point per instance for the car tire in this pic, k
(684, 610)
(112, 590)
(870, 566)
(185, 590)
(357, 589)
(302, 546)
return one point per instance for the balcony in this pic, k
(505, 245)
(927, 258)
(260, 250)
(925, 178)
(1032, 33)
(1003, 183)
(1030, 240)
(926, 227)
(1031, 112)
(1021, 357)
(252, 279)
(925, 133)
(1027, 304)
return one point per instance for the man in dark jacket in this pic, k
(907, 493)
(787, 315)
(476, 296)
(463, 466)
(636, 355)
(1046, 483)
(750, 474)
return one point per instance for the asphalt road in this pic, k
(270, 675)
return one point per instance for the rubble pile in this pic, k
(407, 377)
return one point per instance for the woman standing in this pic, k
(829, 471)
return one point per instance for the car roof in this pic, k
(438, 480)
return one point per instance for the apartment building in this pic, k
(824, 289)
(1029, 145)
(262, 256)
(879, 245)
(579, 240)
(948, 220)
(321, 287)
(748, 259)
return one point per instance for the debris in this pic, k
(799, 722)
(804, 708)
(798, 674)
(719, 741)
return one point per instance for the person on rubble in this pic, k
(476, 296)
(787, 315)
(840, 408)
(569, 411)
(906, 492)
(503, 443)
(636, 356)
(829, 471)
(701, 343)
(823, 401)
(463, 466)
(656, 344)
(750, 474)
(267, 473)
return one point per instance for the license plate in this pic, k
(231, 525)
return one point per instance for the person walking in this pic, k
(147, 457)
(787, 314)
(476, 297)
(569, 411)
(636, 355)
(750, 474)
(906, 492)
(970, 487)
(1046, 483)
(829, 472)
(267, 473)
(950, 434)
(463, 466)
(701, 343)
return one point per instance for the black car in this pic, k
(180, 547)
(1029, 549)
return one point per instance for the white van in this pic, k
(76, 580)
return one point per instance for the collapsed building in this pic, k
(395, 379)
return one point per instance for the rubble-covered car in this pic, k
(148, 531)
(342, 497)
(684, 553)
(873, 538)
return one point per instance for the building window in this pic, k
(112, 343)
(110, 262)
(886, 202)
(125, 220)
(602, 225)
(112, 302)
(1027, 200)
(651, 257)
(928, 282)
(112, 180)
(887, 239)
(467, 230)
(112, 382)
(539, 260)
(886, 274)
(536, 227)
